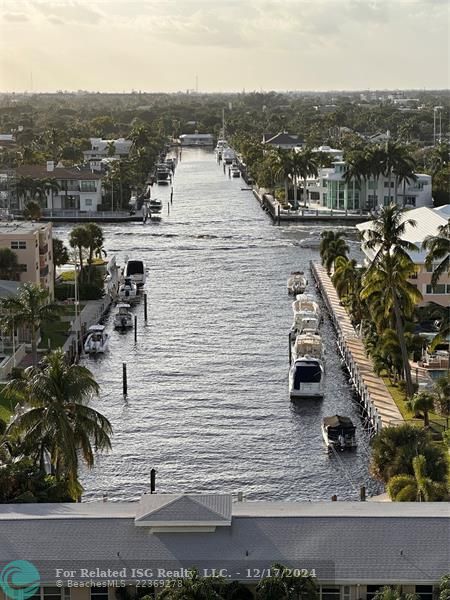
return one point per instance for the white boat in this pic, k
(97, 340)
(123, 318)
(128, 290)
(235, 172)
(220, 147)
(228, 155)
(135, 270)
(163, 173)
(306, 378)
(307, 344)
(154, 205)
(296, 283)
(306, 304)
(305, 322)
(339, 433)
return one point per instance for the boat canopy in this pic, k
(338, 422)
(96, 328)
(123, 305)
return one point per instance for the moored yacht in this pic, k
(128, 290)
(123, 319)
(306, 378)
(307, 344)
(235, 171)
(163, 173)
(135, 270)
(306, 304)
(339, 433)
(228, 156)
(97, 340)
(296, 283)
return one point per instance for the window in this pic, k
(440, 288)
(425, 592)
(88, 202)
(88, 186)
(18, 245)
(52, 593)
(23, 268)
(99, 593)
(410, 200)
(372, 591)
(331, 593)
(429, 268)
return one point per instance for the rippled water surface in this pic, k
(208, 402)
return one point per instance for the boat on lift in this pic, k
(339, 433)
(135, 270)
(123, 319)
(97, 340)
(228, 156)
(128, 290)
(235, 171)
(296, 283)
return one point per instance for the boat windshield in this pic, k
(307, 372)
(135, 267)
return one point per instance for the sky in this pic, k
(223, 45)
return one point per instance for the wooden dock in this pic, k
(378, 403)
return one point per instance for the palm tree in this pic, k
(422, 401)
(438, 247)
(332, 245)
(284, 169)
(30, 308)
(111, 148)
(194, 587)
(283, 585)
(308, 167)
(140, 135)
(390, 593)
(404, 173)
(9, 267)
(79, 239)
(393, 265)
(24, 186)
(418, 487)
(357, 168)
(51, 187)
(60, 254)
(32, 211)
(345, 275)
(55, 418)
(442, 395)
(440, 157)
(394, 448)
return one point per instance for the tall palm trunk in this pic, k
(34, 336)
(401, 340)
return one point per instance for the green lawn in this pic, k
(57, 331)
(437, 422)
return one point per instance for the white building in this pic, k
(101, 149)
(428, 221)
(78, 189)
(331, 190)
(283, 140)
(197, 139)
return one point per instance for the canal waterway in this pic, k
(208, 403)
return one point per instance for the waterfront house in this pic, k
(114, 148)
(78, 189)
(354, 548)
(283, 140)
(428, 222)
(333, 191)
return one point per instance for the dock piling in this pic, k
(124, 379)
(135, 329)
(145, 308)
(168, 208)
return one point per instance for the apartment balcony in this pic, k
(43, 249)
(44, 271)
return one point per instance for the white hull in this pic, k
(300, 374)
(122, 322)
(96, 347)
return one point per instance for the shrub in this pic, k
(90, 291)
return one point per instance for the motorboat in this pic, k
(163, 173)
(310, 242)
(97, 340)
(135, 270)
(154, 205)
(128, 290)
(235, 172)
(305, 322)
(306, 378)
(339, 433)
(307, 344)
(296, 283)
(306, 304)
(123, 319)
(171, 163)
(221, 146)
(228, 156)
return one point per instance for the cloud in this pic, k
(15, 17)
(68, 12)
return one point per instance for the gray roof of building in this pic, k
(9, 288)
(344, 542)
(179, 508)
